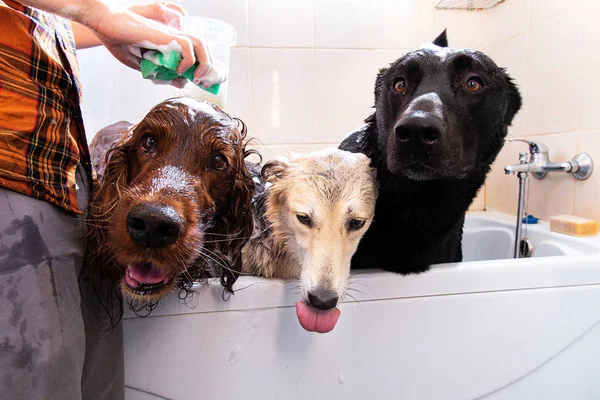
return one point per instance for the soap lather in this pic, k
(159, 66)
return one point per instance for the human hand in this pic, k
(166, 13)
(154, 26)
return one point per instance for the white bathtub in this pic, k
(499, 329)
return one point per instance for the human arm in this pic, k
(122, 30)
(164, 12)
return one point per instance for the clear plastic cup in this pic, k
(219, 37)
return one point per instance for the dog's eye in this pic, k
(356, 224)
(304, 219)
(401, 85)
(218, 163)
(147, 143)
(473, 84)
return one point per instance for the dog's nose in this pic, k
(418, 130)
(154, 225)
(322, 298)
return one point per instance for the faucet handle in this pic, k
(534, 147)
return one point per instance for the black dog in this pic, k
(440, 119)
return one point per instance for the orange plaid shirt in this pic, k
(42, 139)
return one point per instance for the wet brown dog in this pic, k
(173, 206)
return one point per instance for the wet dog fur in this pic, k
(310, 213)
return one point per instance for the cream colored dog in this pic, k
(310, 212)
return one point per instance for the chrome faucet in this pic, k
(581, 166)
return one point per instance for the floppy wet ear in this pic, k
(239, 223)
(441, 40)
(379, 82)
(275, 169)
(99, 266)
(237, 218)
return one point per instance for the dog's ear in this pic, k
(275, 169)
(441, 40)
(99, 266)
(236, 217)
(514, 101)
(379, 82)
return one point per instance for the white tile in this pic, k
(544, 10)
(344, 23)
(122, 96)
(279, 23)
(377, 24)
(553, 64)
(511, 54)
(508, 19)
(282, 95)
(98, 104)
(402, 24)
(344, 82)
(239, 99)
(464, 28)
(268, 152)
(234, 12)
(590, 84)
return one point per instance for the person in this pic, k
(50, 344)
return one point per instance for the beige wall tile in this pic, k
(553, 61)
(344, 82)
(587, 193)
(502, 189)
(515, 11)
(544, 10)
(479, 202)
(465, 28)
(510, 54)
(270, 151)
(590, 84)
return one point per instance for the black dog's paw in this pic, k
(441, 40)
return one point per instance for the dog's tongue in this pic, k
(315, 320)
(146, 273)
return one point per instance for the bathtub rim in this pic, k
(441, 280)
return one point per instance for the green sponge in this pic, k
(164, 68)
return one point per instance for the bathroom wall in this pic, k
(551, 48)
(302, 77)
(302, 73)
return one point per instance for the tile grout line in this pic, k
(326, 48)
(252, 116)
(555, 17)
(314, 71)
(558, 133)
(579, 91)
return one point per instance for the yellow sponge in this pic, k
(575, 226)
